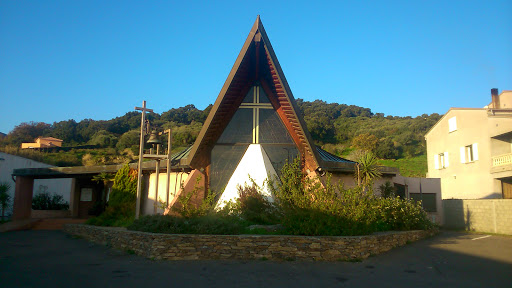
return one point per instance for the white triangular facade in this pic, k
(254, 164)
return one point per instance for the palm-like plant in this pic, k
(367, 169)
(5, 198)
(105, 178)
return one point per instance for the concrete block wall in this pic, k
(483, 215)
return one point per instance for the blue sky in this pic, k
(63, 60)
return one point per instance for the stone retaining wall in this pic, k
(189, 247)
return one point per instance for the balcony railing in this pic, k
(505, 159)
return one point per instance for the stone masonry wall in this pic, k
(189, 247)
(485, 215)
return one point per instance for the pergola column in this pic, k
(22, 206)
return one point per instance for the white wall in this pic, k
(175, 182)
(10, 162)
(254, 165)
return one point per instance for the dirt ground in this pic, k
(451, 259)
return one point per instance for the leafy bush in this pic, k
(5, 198)
(302, 205)
(104, 138)
(308, 208)
(129, 140)
(97, 208)
(204, 224)
(314, 222)
(387, 190)
(45, 201)
(121, 206)
(402, 214)
(186, 208)
(255, 208)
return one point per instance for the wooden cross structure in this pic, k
(141, 153)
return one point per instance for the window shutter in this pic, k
(475, 151)
(436, 161)
(452, 124)
(462, 154)
(446, 163)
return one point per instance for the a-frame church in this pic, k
(253, 128)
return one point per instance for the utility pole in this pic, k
(141, 154)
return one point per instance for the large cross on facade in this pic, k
(256, 104)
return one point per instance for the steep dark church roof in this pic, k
(256, 62)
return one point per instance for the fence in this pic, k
(485, 215)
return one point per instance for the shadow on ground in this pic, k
(54, 259)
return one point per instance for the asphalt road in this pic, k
(451, 259)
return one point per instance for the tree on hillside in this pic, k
(66, 131)
(130, 140)
(386, 149)
(184, 115)
(103, 138)
(27, 132)
(365, 142)
(87, 128)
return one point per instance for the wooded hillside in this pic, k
(339, 128)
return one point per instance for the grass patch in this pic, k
(409, 167)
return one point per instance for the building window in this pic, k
(441, 160)
(452, 124)
(428, 200)
(255, 122)
(469, 153)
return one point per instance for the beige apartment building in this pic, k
(470, 149)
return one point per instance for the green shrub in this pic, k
(302, 205)
(204, 224)
(120, 210)
(45, 201)
(402, 214)
(5, 198)
(186, 208)
(387, 190)
(255, 208)
(308, 208)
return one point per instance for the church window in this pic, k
(255, 122)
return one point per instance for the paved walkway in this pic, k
(39, 224)
(56, 223)
(54, 259)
